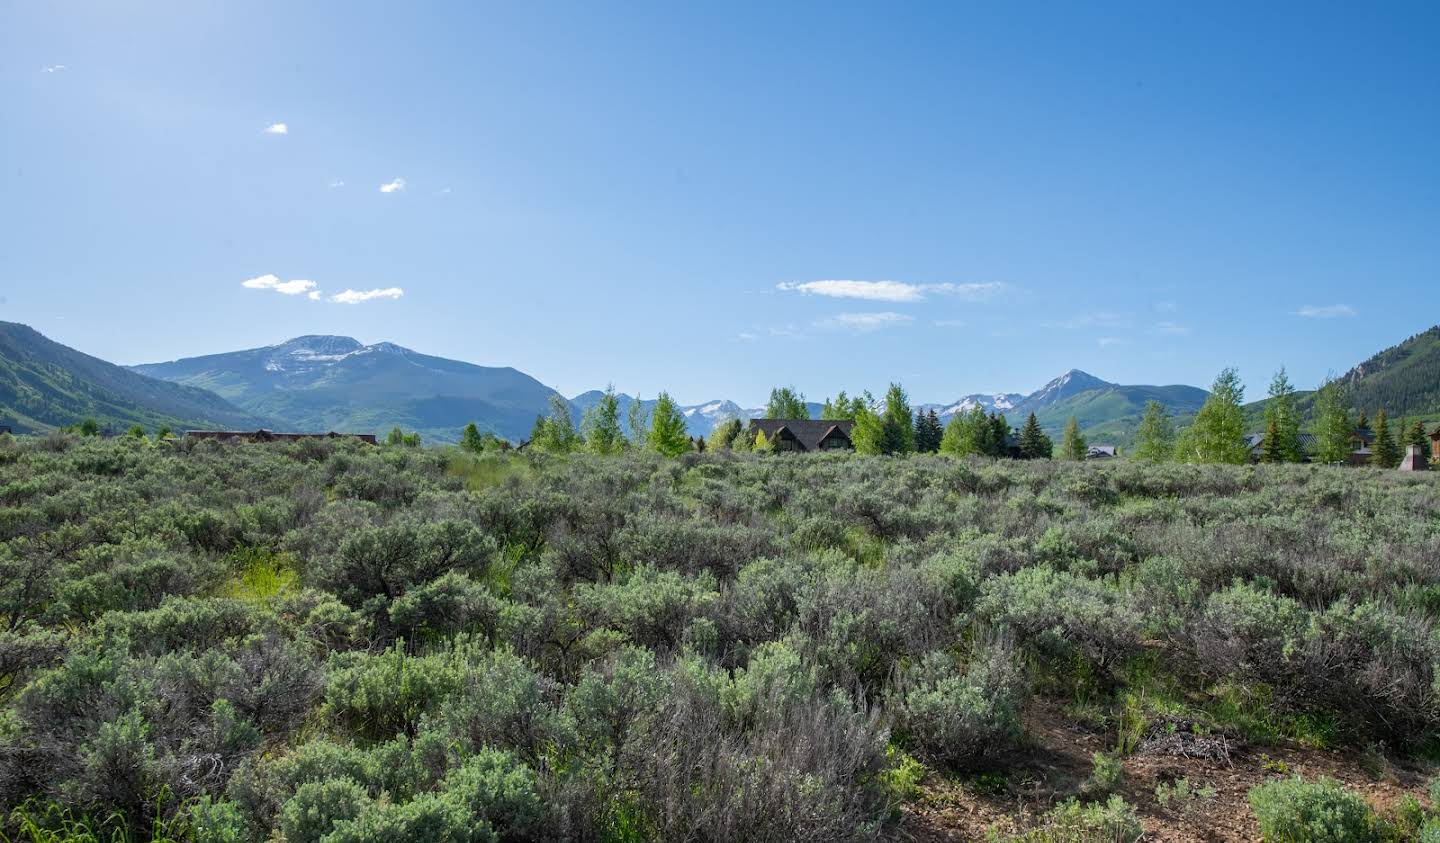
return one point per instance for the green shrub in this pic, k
(1113, 821)
(1298, 811)
(955, 717)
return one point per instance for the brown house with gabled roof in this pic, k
(263, 435)
(806, 434)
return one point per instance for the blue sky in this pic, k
(704, 198)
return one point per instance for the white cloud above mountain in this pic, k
(361, 296)
(892, 291)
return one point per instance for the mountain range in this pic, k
(44, 385)
(321, 383)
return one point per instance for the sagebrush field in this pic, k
(334, 642)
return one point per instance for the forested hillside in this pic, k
(44, 384)
(328, 642)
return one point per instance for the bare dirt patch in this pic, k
(1057, 761)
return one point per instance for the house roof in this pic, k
(808, 432)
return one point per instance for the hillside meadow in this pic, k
(328, 642)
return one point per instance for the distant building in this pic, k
(806, 434)
(1435, 446)
(1102, 452)
(1414, 459)
(1360, 440)
(263, 435)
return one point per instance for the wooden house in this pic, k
(806, 434)
(263, 435)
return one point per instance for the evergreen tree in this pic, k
(898, 422)
(89, 427)
(1155, 439)
(667, 427)
(1072, 442)
(1034, 444)
(135, 432)
(843, 407)
(601, 425)
(1383, 451)
(397, 436)
(786, 403)
(470, 439)
(928, 432)
(699, 444)
(1415, 435)
(166, 433)
(1218, 433)
(1332, 424)
(999, 435)
(723, 435)
(1282, 422)
(1362, 422)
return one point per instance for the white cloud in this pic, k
(1106, 342)
(393, 186)
(864, 323)
(1171, 329)
(358, 296)
(443, 191)
(270, 282)
(746, 336)
(55, 68)
(277, 129)
(891, 291)
(1326, 311)
(313, 295)
(337, 183)
(1102, 319)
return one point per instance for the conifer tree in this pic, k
(1282, 422)
(898, 422)
(999, 435)
(1034, 444)
(667, 427)
(928, 432)
(1155, 439)
(1218, 433)
(1415, 435)
(470, 439)
(1072, 442)
(786, 403)
(1383, 451)
(1332, 424)
(1362, 422)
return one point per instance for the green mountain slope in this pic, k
(1403, 380)
(321, 383)
(44, 385)
(1107, 412)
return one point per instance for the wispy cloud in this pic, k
(1171, 329)
(1106, 342)
(891, 291)
(277, 129)
(746, 336)
(949, 323)
(55, 68)
(1101, 319)
(334, 183)
(359, 296)
(1326, 311)
(393, 186)
(271, 282)
(444, 191)
(864, 323)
